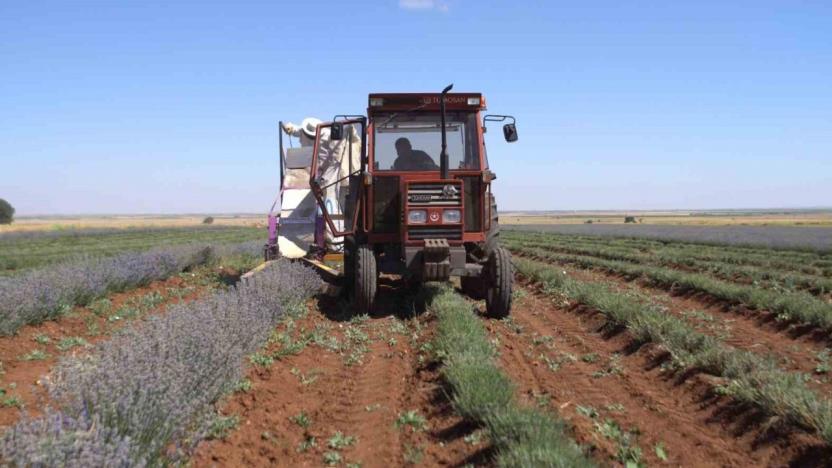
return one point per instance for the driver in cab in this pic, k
(412, 160)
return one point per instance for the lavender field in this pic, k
(777, 237)
(20, 251)
(145, 397)
(46, 293)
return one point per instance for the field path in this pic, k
(360, 387)
(605, 386)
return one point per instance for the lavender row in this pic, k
(45, 293)
(146, 397)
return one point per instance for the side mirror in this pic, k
(336, 132)
(510, 132)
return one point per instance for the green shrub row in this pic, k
(523, 437)
(791, 306)
(772, 277)
(752, 379)
(804, 262)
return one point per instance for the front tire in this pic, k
(500, 278)
(366, 278)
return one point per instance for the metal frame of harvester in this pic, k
(425, 225)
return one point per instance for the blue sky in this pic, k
(169, 107)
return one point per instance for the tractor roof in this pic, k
(430, 101)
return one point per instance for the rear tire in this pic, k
(500, 277)
(366, 277)
(492, 238)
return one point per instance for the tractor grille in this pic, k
(430, 194)
(431, 232)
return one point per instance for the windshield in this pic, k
(413, 142)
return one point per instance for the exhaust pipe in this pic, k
(443, 156)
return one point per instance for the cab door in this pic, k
(338, 161)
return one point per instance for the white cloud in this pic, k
(423, 5)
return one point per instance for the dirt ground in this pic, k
(619, 397)
(359, 378)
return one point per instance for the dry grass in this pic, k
(50, 223)
(675, 218)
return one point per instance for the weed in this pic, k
(587, 411)
(512, 325)
(473, 438)
(543, 400)
(823, 365)
(413, 454)
(307, 443)
(398, 327)
(101, 307)
(661, 452)
(92, 326)
(413, 419)
(340, 441)
(241, 386)
(590, 358)
(373, 407)
(543, 340)
(11, 401)
(615, 408)
(260, 359)
(628, 452)
(332, 458)
(36, 355)
(221, 426)
(302, 420)
(71, 342)
(42, 339)
(613, 367)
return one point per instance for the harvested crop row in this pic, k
(49, 292)
(692, 254)
(146, 396)
(753, 380)
(793, 306)
(729, 272)
(482, 393)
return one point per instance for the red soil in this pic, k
(362, 400)
(681, 413)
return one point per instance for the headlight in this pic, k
(451, 216)
(417, 216)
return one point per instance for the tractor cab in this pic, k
(407, 191)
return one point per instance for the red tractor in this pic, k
(417, 200)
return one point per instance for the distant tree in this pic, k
(629, 219)
(208, 220)
(6, 212)
(589, 221)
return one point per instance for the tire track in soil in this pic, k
(362, 400)
(681, 412)
(795, 348)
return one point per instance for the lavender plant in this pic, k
(45, 293)
(146, 396)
